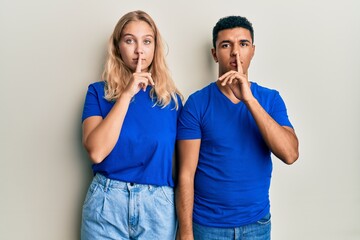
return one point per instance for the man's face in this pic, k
(228, 44)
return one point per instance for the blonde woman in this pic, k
(129, 131)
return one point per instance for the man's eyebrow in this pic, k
(244, 40)
(224, 41)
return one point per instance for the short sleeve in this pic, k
(91, 105)
(180, 105)
(279, 111)
(189, 122)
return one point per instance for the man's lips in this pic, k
(234, 64)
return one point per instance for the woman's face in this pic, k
(137, 39)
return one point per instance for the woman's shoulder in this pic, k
(97, 87)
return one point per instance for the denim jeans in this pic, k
(119, 210)
(255, 231)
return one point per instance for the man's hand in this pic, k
(238, 82)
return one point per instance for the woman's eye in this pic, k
(129, 40)
(147, 41)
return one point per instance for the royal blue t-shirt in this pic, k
(144, 151)
(233, 175)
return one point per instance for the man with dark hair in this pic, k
(226, 134)
(232, 22)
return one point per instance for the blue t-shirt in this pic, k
(233, 175)
(143, 153)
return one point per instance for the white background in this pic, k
(51, 50)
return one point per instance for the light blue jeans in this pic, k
(119, 210)
(255, 231)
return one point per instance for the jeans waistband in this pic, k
(107, 182)
(112, 183)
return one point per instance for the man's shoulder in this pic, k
(262, 89)
(205, 91)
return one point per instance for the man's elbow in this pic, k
(291, 157)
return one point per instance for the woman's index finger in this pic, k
(138, 66)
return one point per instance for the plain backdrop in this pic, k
(50, 51)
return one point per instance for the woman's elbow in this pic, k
(95, 156)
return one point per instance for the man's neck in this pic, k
(227, 92)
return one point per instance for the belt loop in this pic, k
(107, 184)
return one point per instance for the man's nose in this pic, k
(235, 51)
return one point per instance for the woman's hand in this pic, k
(139, 80)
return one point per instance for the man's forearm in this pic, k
(184, 208)
(282, 141)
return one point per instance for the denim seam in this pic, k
(166, 196)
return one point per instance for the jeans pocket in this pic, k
(265, 220)
(168, 194)
(90, 193)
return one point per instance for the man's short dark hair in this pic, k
(229, 23)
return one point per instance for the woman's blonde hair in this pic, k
(116, 74)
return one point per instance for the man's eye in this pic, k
(226, 45)
(244, 44)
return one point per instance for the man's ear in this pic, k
(253, 51)
(213, 53)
